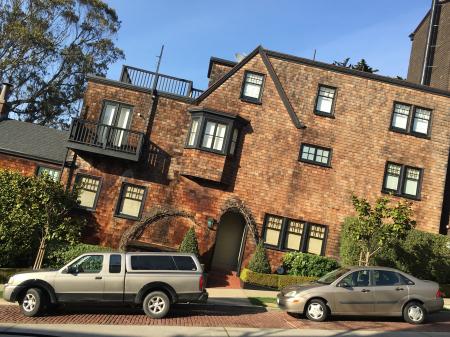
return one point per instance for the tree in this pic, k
(378, 226)
(47, 47)
(189, 243)
(361, 65)
(259, 262)
(34, 212)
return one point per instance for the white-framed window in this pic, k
(193, 131)
(214, 135)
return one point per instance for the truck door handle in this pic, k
(399, 288)
(98, 277)
(365, 291)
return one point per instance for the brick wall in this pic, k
(23, 165)
(267, 175)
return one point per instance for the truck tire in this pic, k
(156, 304)
(33, 302)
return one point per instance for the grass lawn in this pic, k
(263, 301)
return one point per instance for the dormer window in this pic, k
(213, 131)
(252, 87)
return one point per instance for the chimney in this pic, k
(6, 88)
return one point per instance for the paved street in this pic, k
(218, 316)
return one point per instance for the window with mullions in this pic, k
(315, 155)
(287, 234)
(214, 136)
(325, 100)
(252, 87)
(214, 132)
(411, 119)
(89, 188)
(402, 180)
(52, 173)
(131, 201)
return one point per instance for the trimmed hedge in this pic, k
(303, 264)
(424, 255)
(58, 256)
(273, 280)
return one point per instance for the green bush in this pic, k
(423, 255)
(59, 256)
(189, 243)
(273, 280)
(259, 262)
(303, 264)
(349, 250)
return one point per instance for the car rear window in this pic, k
(152, 262)
(185, 263)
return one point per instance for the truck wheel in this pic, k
(156, 304)
(32, 302)
(414, 313)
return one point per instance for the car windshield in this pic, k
(333, 276)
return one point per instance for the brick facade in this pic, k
(265, 173)
(25, 166)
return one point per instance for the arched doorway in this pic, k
(230, 241)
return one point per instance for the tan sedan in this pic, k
(364, 291)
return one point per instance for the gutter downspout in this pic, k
(426, 59)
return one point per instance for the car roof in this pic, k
(373, 268)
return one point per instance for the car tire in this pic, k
(414, 313)
(32, 302)
(316, 310)
(156, 304)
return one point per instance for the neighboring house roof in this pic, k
(218, 60)
(32, 141)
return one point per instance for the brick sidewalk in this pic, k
(218, 316)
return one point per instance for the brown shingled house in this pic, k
(272, 150)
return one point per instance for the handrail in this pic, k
(163, 83)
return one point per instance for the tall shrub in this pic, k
(189, 243)
(302, 264)
(34, 212)
(259, 262)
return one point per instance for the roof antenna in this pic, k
(314, 56)
(155, 82)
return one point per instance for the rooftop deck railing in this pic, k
(163, 83)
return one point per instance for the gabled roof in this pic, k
(275, 79)
(218, 60)
(32, 141)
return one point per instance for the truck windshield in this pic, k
(333, 276)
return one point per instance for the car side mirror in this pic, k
(344, 284)
(72, 270)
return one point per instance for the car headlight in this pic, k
(11, 280)
(291, 293)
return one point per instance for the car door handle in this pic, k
(399, 288)
(98, 277)
(365, 291)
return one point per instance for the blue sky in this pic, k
(193, 31)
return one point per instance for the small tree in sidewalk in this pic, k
(189, 243)
(259, 262)
(378, 226)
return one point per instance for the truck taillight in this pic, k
(439, 294)
(200, 283)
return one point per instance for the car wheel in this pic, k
(156, 304)
(414, 313)
(316, 310)
(32, 302)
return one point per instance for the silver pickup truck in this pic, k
(153, 280)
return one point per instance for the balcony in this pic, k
(161, 83)
(105, 140)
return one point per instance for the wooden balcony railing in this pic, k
(160, 82)
(105, 139)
